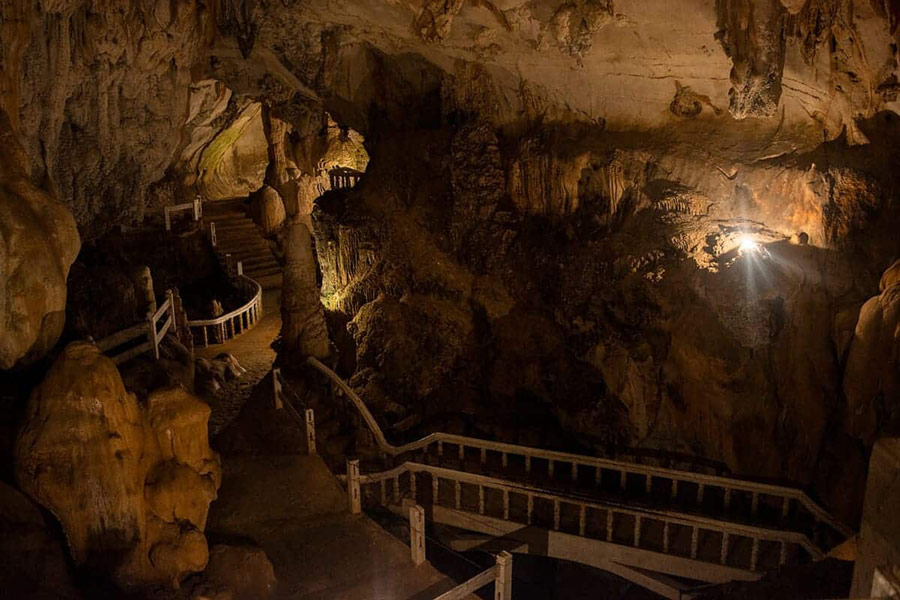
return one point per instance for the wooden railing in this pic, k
(500, 575)
(676, 534)
(701, 485)
(196, 207)
(343, 178)
(150, 330)
(232, 324)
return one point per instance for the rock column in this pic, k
(303, 329)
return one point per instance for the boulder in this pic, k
(244, 571)
(38, 243)
(129, 482)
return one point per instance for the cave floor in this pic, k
(276, 496)
(253, 350)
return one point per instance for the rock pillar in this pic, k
(303, 329)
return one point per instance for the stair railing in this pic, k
(240, 320)
(701, 484)
(149, 329)
(402, 483)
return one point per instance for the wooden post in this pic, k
(503, 577)
(417, 534)
(212, 234)
(170, 298)
(276, 388)
(310, 431)
(353, 486)
(168, 219)
(151, 335)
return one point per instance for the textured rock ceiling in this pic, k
(741, 78)
(819, 63)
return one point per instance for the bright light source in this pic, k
(747, 244)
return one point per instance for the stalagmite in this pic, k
(303, 331)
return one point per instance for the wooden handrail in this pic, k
(671, 517)
(500, 575)
(221, 319)
(581, 460)
(247, 315)
(146, 329)
(195, 205)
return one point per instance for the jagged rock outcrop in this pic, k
(98, 94)
(129, 482)
(38, 243)
(751, 32)
(872, 375)
(303, 330)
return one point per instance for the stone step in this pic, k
(237, 228)
(248, 252)
(245, 245)
(241, 239)
(262, 273)
(259, 263)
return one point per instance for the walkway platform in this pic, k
(288, 503)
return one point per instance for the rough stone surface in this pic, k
(38, 243)
(245, 571)
(303, 330)
(268, 210)
(130, 482)
(872, 375)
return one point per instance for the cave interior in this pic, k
(420, 299)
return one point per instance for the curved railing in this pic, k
(234, 323)
(675, 478)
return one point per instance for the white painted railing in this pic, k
(700, 484)
(150, 330)
(500, 575)
(234, 323)
(516, 503)
(196, 208)
(343, 178)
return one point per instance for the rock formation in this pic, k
(872, 375)
(38, 243)
(303, 330)
(244, 572)
(586, 207)
(130, 483)
(268, 210)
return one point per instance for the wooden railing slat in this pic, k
(702, 480)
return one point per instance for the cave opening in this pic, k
(402, 300)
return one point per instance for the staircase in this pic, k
(238, 235)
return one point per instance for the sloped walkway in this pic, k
(288, 503)
(254, 352)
